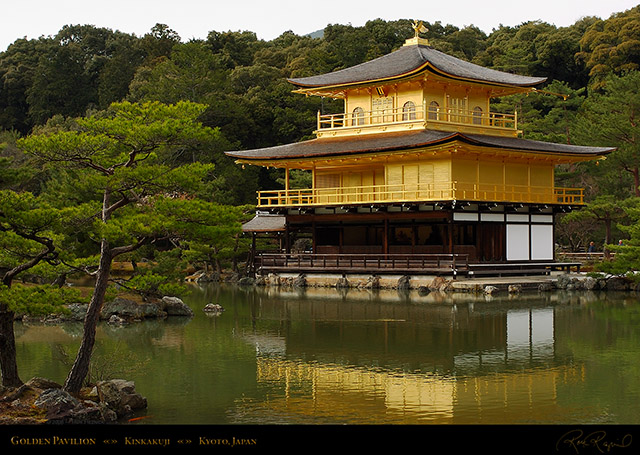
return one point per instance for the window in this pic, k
(409, 111)
(357, 117)
(477, 115)
(434, 109)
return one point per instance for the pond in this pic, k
(326, 356)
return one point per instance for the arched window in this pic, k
(434, 109)
(477, 115)
(409, 111)
(357, 116)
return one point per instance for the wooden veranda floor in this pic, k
(416, 264)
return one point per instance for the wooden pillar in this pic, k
(450, 224)
(287, 239)
(385, 237)
(314, 234)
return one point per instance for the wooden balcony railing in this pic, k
(421, 114)
(369, 263)
(385, 194)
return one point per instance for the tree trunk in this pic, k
(607, 240)
(8, 358)
(80, 367)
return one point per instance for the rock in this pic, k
(116, 320)
(123, 308)
(213, 308)
(563, 281)
(373, 282)
(590, 283)
(617, 283)
(515, 289)
(440, 284)
(232, 278)
(342, 283)
(490, 290)
(42, 383)
(273, 280)
(77, 312)
(174, 306)
(545, 287)
(423, 290)
(43, 401)
(576, 283)
(404, 282)
(57, 403)
(120, 396)
(246, 281)
(300, 281)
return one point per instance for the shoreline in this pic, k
(555, 280)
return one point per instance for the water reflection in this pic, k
(320, 355)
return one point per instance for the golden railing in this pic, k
(419, 113)
(385, 194)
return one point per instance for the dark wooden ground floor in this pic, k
(470, 239)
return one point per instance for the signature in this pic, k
(597, 440)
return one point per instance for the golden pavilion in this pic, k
(417, 173)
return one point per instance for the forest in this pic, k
(112, 145)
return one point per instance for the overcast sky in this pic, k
(269, 19)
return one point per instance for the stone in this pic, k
(563, 281)
(56, 402)
(120, 396)
(342, 283)
(545, 287)
(300, 281)
(116, 320)
(273, 280)
(404, 282)
(440, 284)
(590, 283)
(214, 308)
(124, 308)
(617, 283)
(42, 383)
(490, 290)
(515, 289)
(246, 281)
(77, 312)
(373, 282)
(423, 290)
(174, 306)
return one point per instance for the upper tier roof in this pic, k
(410, 60)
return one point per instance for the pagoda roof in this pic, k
(391, 142)
(265, 222)
(410, 60)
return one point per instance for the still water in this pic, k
(322, 356)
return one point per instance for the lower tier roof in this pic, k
(389, 142)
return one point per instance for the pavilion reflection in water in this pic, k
(496, 363)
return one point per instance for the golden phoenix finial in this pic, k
(418, 27)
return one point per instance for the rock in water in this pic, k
(213, 308)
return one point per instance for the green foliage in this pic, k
(612, 45)
(627, 255)
(615, 109)
(39, 300)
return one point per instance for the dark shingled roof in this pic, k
(411, 59)
(264, 222)
(385, 142)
